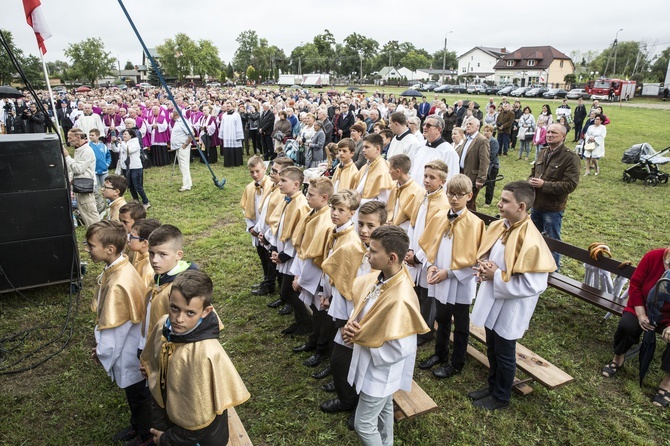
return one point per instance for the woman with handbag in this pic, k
(594, 144)
(526, 132)
(131, 165)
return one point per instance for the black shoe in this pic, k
(126, 434)
(304, 348)
(286, 309)
(304, 329)
(446, 371)
(479, 394)
(263, 291)
(422, 340)
(334, 406)
(314, 360)
(351, 420)
(276, 303)
(328, 387)
(256, 286)
(290, 329)
(490, 403)
(322, 374)
(430, 362)
(137, 441)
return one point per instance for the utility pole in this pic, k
(360, 73)
(299, 66)
(444, 57)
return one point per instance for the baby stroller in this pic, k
(645, 162)
(293, 150)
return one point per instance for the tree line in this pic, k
(357, 56)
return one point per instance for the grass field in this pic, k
(70, 401)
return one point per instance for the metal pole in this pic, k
(51, 97)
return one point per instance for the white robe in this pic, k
(426, 154)
(231, 132)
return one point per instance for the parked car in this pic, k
(554, 93)
(577, 93)
(492, 89)
(429, 86)
(214, 84)
(459, 89)
(506, 90)
(446, 88)
(477, 89)
(416, 86)
(535, 92)
(519, 91)
(144, 85)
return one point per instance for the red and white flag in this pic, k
(36, 20)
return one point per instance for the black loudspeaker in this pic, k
(37, 240)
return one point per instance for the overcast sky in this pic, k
(567, 25)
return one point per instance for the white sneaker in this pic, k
(147, 206)
(183, 189)
(532, 162)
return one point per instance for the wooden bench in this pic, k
(578, 288)
(413, 403)
(237, 433)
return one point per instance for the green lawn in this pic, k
(69, 400)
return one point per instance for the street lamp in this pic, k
(616, 47)
(444, 56)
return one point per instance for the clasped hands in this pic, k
(485, 270)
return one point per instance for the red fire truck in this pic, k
(620, 89)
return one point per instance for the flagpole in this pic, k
(51, 96)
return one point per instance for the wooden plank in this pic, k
(519, 387)
(532, 364)
(413, 403)
(237, 433)
(585, 292)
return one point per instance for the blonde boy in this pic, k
(405, 191)
(113, 189)
(345, 173)
(373, 180)
(449, 244)
(138, 242)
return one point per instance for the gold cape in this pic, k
(394, 315)
(467, 231)
(114, 208)
(313, 234)
(404, 195)
(436, 201)
(346, 175)
(378, 178)
(294, 212)
(525, 248)
(275, 198)
(201, 381)
(121, 292)
(248, 197)
(144, 269)
(159, 296)
(342, 265)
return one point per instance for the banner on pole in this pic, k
(36, 20)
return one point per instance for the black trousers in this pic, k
(208, 150)
(292, 297)
(472, 203)
(339, 367)
(269, 269)
(578, 129)
(501, 353)
(461, 315)
(139, 400)
(490, 184)
(628, 334)
(256, 141)
(323, 331)
(427, 307)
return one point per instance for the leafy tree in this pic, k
(660, 66)
(207, 60)
(7, 70)
(178, 56)
(58, 69)
(129, 66)
(570, 79)
(251, 73)
(451, 61)
(89, 59)
(32, 68)
(631, 57)
(248, 41)
(230, 73)
(363, 47)
(414, 60)
(153, 76)
(392, 51)
(325, 47)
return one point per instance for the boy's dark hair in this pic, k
(348, 197)
(109, 232)
(393, 239)
(193, 283)
(347, 142)
(292, 173)
(284, 161)
(135, 209)
(145, 226)
(523, 192)
(167, 234)
(374, 207)
(402, 162)
(386, 133)
(375, 140)
(117, 182)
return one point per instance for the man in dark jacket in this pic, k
(267, 123)
(63, 112)
(347, 119)
(580, 116)
(34, 120)
(554, 176)
(327, 125)
(504, 123)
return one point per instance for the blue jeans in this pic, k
(135, 179)
(503, 141)
(549, 224)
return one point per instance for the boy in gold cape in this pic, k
(373, 181)
(138, 242)
(253, 197)
(191, 378)
(345, 172)
(113, 189)
(449, 244)
(313, 234)
(129, 213)
(513, 265)
(383, 329)
(119, 314)
(403, 193)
